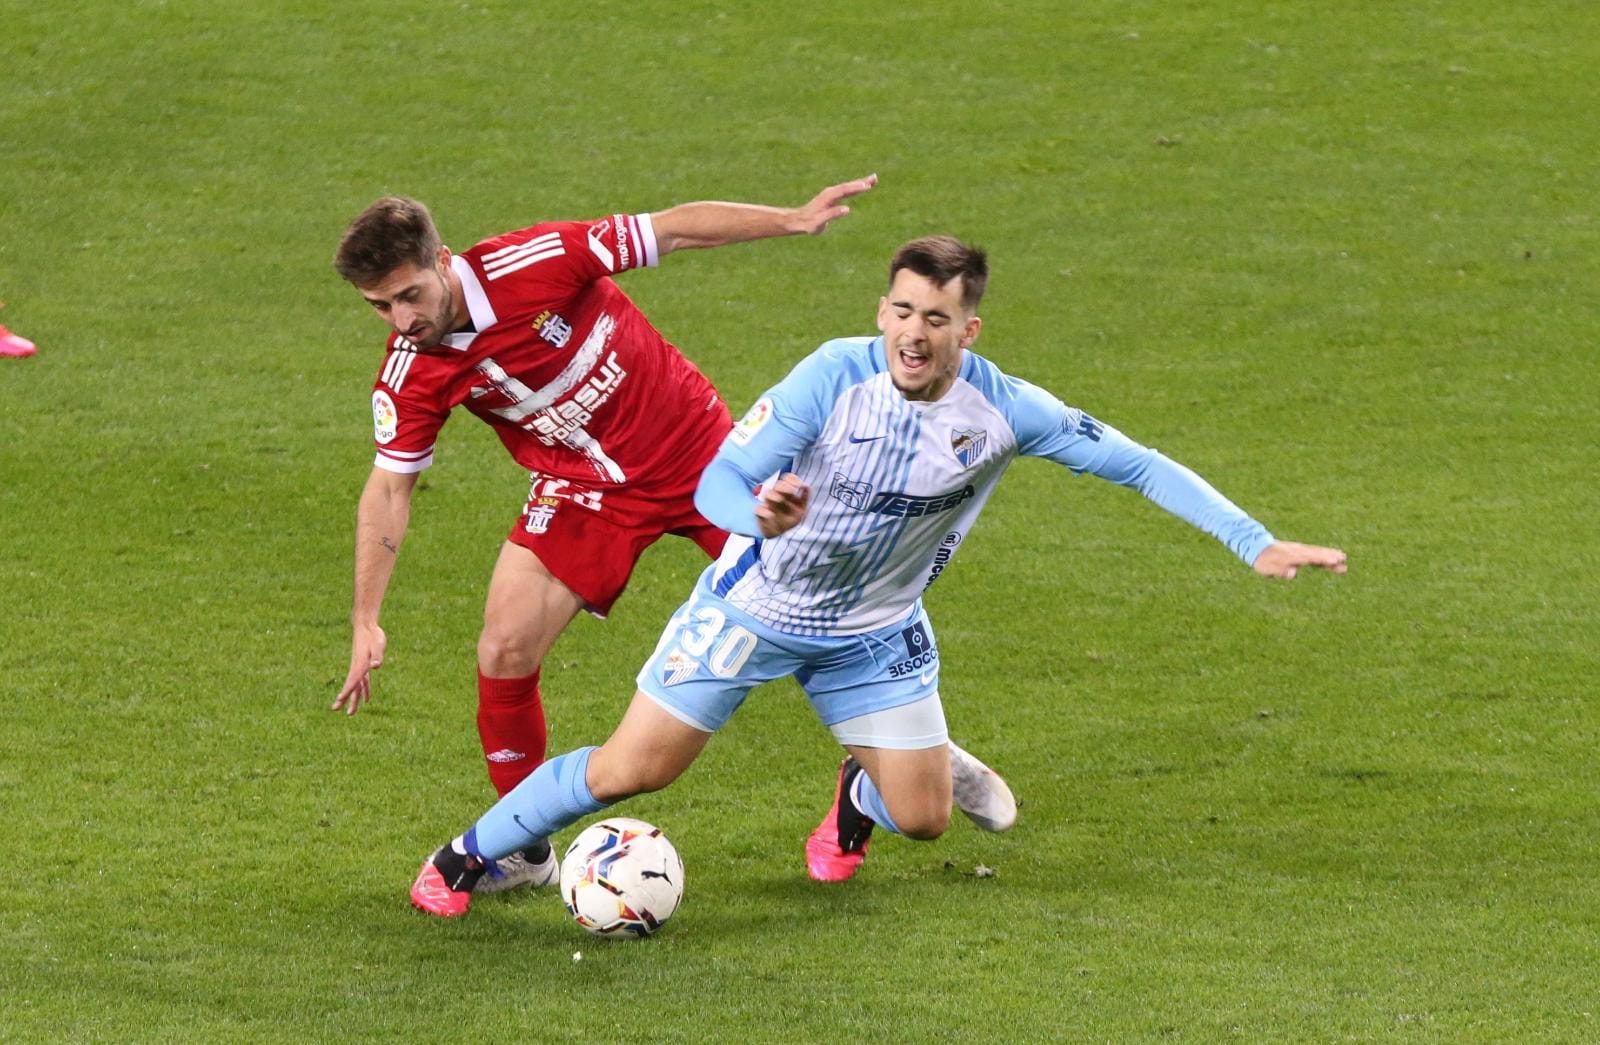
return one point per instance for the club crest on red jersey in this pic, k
(553, 328)
(540, 511)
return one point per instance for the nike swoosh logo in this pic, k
(864, 438)
(928, 676)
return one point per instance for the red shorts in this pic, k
(589, 538)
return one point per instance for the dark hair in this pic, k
(943, 258)
(390, 233)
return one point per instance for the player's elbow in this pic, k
(705, 502)
(723, 498)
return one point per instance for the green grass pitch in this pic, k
(1340, 259)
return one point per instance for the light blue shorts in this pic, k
(712, 655)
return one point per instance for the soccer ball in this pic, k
(621, 877)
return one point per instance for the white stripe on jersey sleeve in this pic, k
(646, 239)
(404, 463)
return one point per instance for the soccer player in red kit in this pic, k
(528, 331)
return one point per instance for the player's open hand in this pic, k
(783, 505)
(827, 205)
(366, 655)
(1284, 559)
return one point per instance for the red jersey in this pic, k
(565, 368)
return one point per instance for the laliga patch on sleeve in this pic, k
(385, 420)
(753, 421)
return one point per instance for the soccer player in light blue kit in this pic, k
(873, 457)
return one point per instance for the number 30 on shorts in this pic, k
(707, 637)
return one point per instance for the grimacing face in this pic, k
(925, 328)
(417, 302)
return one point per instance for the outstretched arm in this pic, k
(381, 520)
(1073, 438)
(1186, 495)
(709, 224)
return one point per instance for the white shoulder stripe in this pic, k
(397, 367)
(545, 240)
(502, 258)
(522, 261)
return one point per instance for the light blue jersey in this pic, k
(836, 601)
(897, 485)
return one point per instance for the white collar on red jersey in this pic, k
(478, 306)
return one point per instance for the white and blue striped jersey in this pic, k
(897, 484)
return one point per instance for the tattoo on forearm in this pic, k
(394, 549)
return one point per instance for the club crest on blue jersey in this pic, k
(968, 446)
(855, 494)
(677, 668)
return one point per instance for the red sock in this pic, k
(511, 728)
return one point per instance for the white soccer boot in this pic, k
(980, 792)
(517, 870)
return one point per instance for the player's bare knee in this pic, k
(611, 782)
(505, 654)
(924, 823)
(613, 778)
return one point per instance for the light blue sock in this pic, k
(555, 795)
(864, 793)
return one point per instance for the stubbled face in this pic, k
(418, 302)
(924, 329)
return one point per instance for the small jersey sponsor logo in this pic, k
(906, 506)
(907, 668)
(854, 494)
(968, 446)
(942, 557)
(752, 422)
(1087, 427)
(505, 755)
(865, 438)
(624, 246)
(385, 419)
(920, 653)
